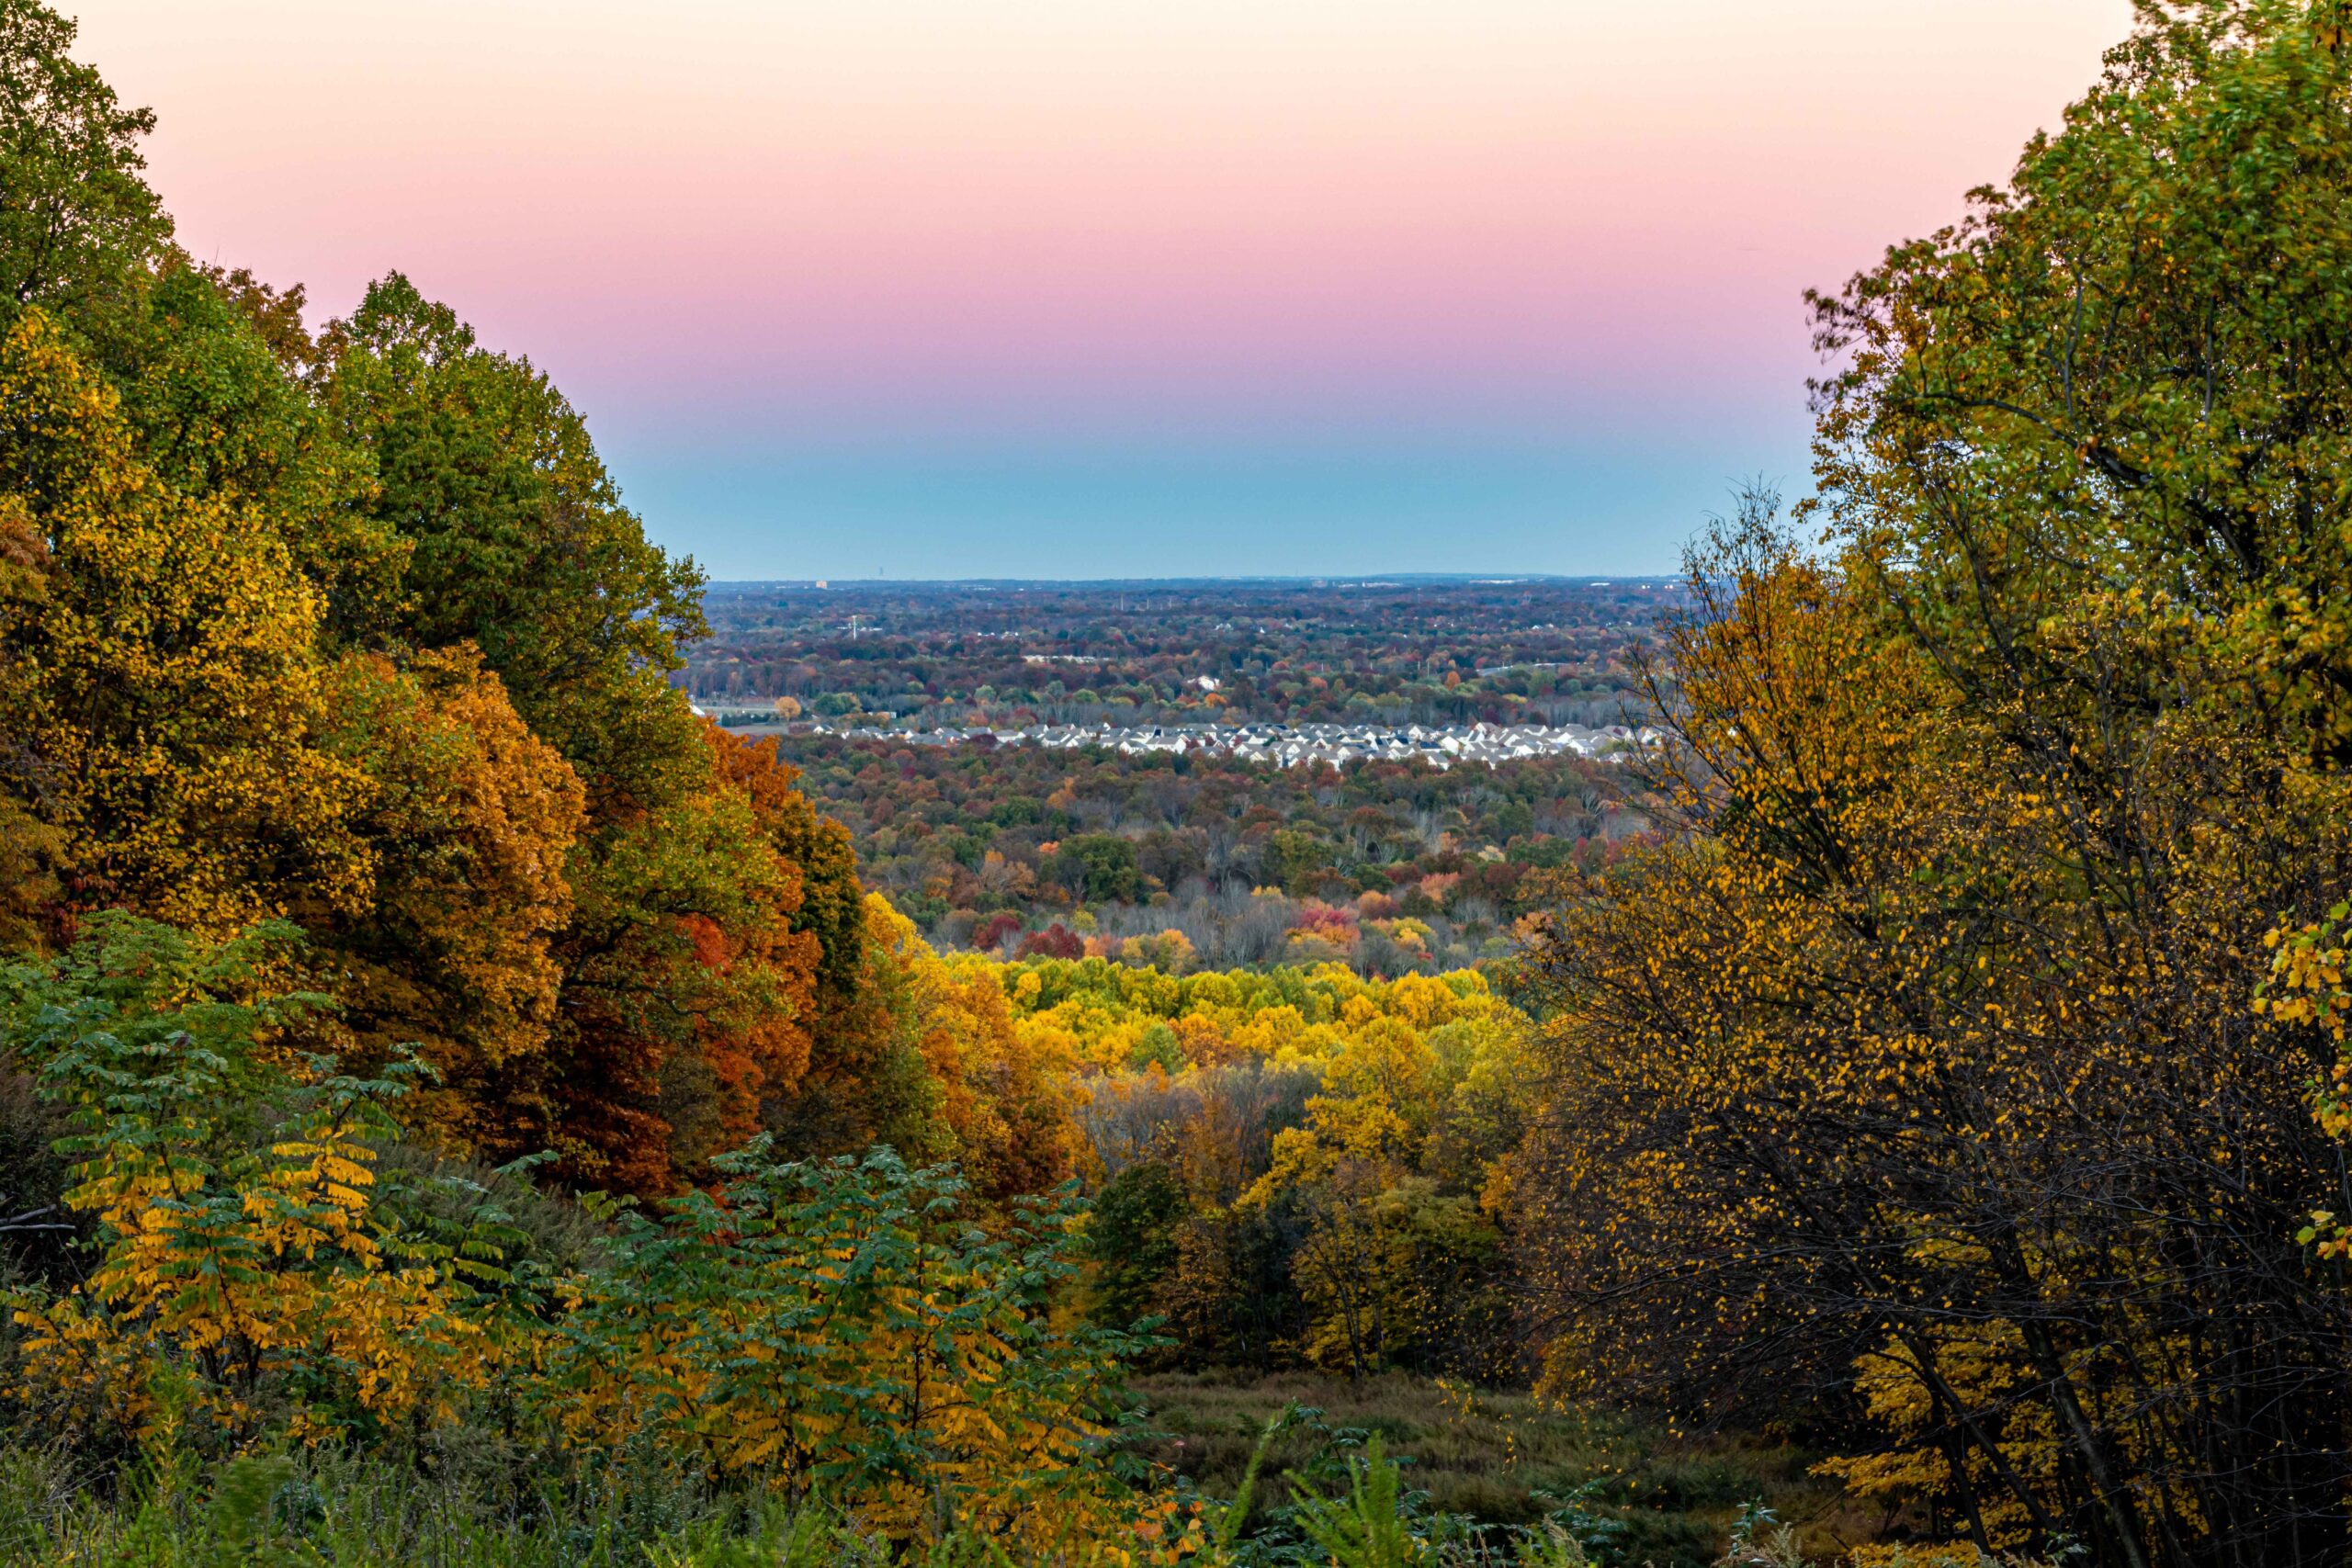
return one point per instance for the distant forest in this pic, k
(1010, 847)
(1525, 652)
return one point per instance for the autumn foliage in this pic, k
(364, 876)
(355, 631)
(834, 1329)
(458, 1046)
(1911, 1087)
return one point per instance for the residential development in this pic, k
(1288, 745)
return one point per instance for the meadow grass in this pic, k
(1503, 1457)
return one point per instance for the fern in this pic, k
(1366, 1527)
(1228, 1527)
(237, 1520)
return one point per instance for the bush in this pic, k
(275, 1272)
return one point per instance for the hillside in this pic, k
(462, 1104)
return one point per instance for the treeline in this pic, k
(368, 891)
(1933, 1073)
(352, 629)
(986, 847)
(1426, 654)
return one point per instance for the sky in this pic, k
(1072, 289)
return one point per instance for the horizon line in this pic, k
(1350, 580)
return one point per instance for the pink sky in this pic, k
(767, 239)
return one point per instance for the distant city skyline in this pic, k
(1041, 289)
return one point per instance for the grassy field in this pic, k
(1505, 1458)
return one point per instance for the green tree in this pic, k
(77, 222)
(218, 412)
(520, 544)
(1104, 867)
(1132, 1238)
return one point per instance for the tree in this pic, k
(520, 543)
(682, 992)
(1914, 1072)
(1132, 1239)
(472, 820)
(996, 1096)
(159, 652)
(200, 360)
(77, 222)
(1102, 867)
(864, 1079)
(32, 850)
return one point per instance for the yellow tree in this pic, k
(166, 699)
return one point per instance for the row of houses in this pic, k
(1293, 745)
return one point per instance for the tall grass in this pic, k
(309, 1509)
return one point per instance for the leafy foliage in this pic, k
(1910, 1085)
(163, 680)
(239, 1255)
(75, 218)
(834, 1330)
(520, 544)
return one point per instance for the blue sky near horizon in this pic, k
(1090, 514)
(1111, 289)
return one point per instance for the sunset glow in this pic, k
(1244, 285)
